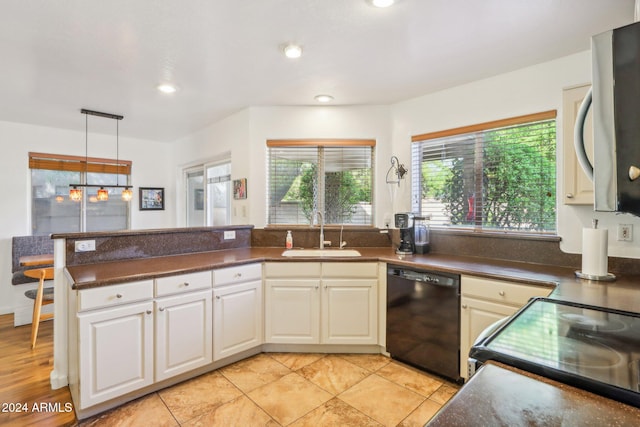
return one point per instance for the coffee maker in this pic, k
(404, 221)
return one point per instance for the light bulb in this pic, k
(292, 51)
(75, 194)
(323, 98)
(167, 88)
(382, 3)
(103, 195)
(127, 194)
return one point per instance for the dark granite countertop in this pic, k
(497, 393)
(500, 395)
(618, 295)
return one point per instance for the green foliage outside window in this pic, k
(517, 170)
(343, 191)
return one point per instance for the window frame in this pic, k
(84, 165)
(207, 179)
(319, 144)
(416, 197)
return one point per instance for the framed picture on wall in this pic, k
(240, 188)
(151, 199)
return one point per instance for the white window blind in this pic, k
(51, 209)
(332, 177)
(494, 176)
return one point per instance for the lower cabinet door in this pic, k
(237, 318)
(116, 352)
(349, 311)
(475, 316)
(292, 311)
(183, 333)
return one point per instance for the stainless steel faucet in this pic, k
(322, 241)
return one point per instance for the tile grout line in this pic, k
(168, 409)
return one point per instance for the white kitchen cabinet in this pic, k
(292, 311)
(578, 189)
(349, 303)
(237, 310)
(183, 338)
(349, 311)
(182, 283)
(484, 302)
(331, 303)
(121, 339)
(292, 302)
(115, 352)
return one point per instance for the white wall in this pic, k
(244, 135)
(228, 138)
(529, 90)
(150, 165)
(370, 122)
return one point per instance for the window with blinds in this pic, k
(492, 176)
(333, 177)
(51, 209)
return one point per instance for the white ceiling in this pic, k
(60, 56)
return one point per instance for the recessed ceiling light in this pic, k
(167, 88)
(382, 3)
(292, 51)
(323, 98)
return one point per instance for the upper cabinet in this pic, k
(578, 189)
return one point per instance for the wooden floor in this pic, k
(26, 397)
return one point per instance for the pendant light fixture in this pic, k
(102, 195)
(75, 194)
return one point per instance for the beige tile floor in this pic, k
(292, 389)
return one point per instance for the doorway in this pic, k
(208, 188)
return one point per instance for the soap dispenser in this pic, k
(289, 240)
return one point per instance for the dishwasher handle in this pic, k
(425, 277)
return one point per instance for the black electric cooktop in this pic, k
(589, 347)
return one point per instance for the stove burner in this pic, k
(584, 356)
(594, 348)
(596, 324)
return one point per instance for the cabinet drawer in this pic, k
(108, 296)
(498, 290)
(350, 269)
(241, 273)
(183, 283)
(292, 269)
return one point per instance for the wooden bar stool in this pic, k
(40, 297)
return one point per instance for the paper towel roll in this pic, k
(594, 251)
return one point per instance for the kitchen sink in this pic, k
(348, 253)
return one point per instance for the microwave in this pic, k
(615, 102)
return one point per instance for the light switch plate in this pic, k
(230, 235)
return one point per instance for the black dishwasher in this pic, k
(423, 320)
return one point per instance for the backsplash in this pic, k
(113, 246)
(542, 250)
(310, 237)
(537, 250)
